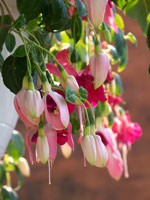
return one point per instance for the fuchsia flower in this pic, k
(109, 17)
(89, 148)
(127, 131)
(95, 10)
(115, 162)
(56, 110)
(101, 152)
(99, 67)
(29, 106)
(83, 77)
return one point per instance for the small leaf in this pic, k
(20, 21)
(131, 38)
(119, 21)
(8, 193)
(16, 146)
(13, 71)
(20, 51)
(10, 42)
(20, 178)
(119, 88)
(70, 96)
(80, 8)
(2, 174)
(111, 118)
(83, 92)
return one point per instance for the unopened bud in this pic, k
(66, 150)
(23, 166)
(42, 149)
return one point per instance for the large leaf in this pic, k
(5, 20)
(31, 8)
(16, 146)
(13, 71)
(10, 42)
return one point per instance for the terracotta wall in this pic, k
(70, 181)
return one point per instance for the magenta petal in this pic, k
(62, 57)
(28, 143)
(53, 69)
(61, 119)
(69, 136)
(109, 17)
(51, 135)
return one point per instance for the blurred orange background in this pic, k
(70, 180)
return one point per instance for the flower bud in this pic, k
(23, 166)
(66, 150)
(95, 10)
(102, 154)
(42, 149)
(71, 82)
(89, 148)
(99, 66)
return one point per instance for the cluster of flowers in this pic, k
(46, 113)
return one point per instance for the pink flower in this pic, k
(109, 17)
(29, 105)
(89, 148)
(99, 67)
(95, 10)
(56, 110)
(114, 164)
(83, 78)
(127, 131)
(101, 152)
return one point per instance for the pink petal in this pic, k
(62, 57)
(109, 18)
(22, 117)
(61, 120)
(69, 136)
(53, 69)
(51, 135)
(28, 143)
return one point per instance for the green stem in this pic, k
(90, 107)
(8, 179)
(71, 4)
(28, 59)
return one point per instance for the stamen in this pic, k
(49, 172)
(125, 152)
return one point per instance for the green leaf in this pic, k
(16, 146)
(2, 174)
(5, 20)
(55, 16)
(111, 119)
(80, 8)
(10, 42)
(132, 38)
(1, 61)
(119, 88)
(8, 193)
(20, 21)
(75, 123)
(20, 178)
(70, 95)
(13, 71)
(31, 8)
(148, 37)
(20, 51)
(119, 21)
(83, 92)
(76, 27)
